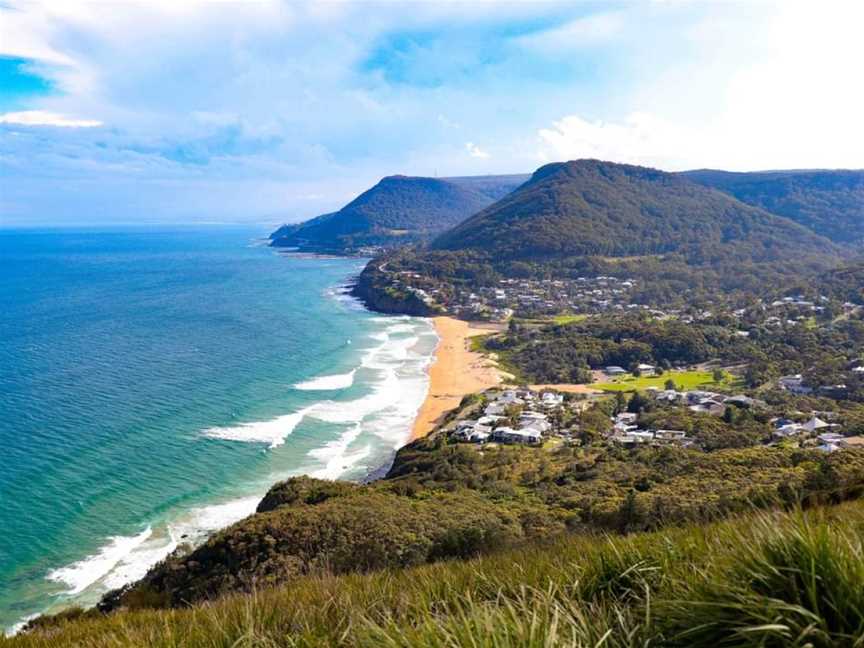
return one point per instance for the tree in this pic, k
(669, 384)
(620, 402)
(718, 375)
(638, 403)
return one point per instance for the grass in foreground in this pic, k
(683, 380)
(794, 579)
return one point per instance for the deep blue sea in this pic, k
(154, 384)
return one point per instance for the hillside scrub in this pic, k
(767, 579)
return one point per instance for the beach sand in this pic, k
(455, 371)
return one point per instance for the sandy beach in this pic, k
(455, 371)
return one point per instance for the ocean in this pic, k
(155, 383)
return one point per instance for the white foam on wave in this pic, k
(335, 456)
(272, 432)
(126, 559)
(323, 383)
(401, 328)
(387, 412)
(13, 630)
(81, 574)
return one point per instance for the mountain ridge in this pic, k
(398, 209)
(591, 207)
(830, 202)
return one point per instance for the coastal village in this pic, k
(530, 417)
(532, 298)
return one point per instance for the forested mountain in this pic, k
(845, 282)
(831, 203)
(399, 209)
(594, 208)
(682, 240)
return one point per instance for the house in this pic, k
(614, 370)
(510, 397)
(623, 428)
(626, 417)
(794, 384)
(646, 369)
(531, 415)
(535, 424)
(833, 391)
(670, 435)
(633, 438)
(552, 399)
(495, 409)
(709, 406)
(851, 442)
(740, 400)
(670, 396)
(788, 430)
(815, 424)
(509, 435)
(696, 396)
(489, 419)
(831, 437)
(478, 436)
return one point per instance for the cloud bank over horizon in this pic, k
(265, 111)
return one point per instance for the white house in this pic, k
(509, 435)
(815, 424)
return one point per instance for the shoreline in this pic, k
(455, 372)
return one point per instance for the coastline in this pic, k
(455, 372)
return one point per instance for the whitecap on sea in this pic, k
(323, 383)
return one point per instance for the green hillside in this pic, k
(780, 579)
(830, 203)
(445, 500)
(593, 208)
(398, 210)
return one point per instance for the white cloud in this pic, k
(584, 32)
(46, 118)
(639, 139)
(475, 151)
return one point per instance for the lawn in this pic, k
(684, 380)
(568, 319)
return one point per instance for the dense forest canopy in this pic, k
(397, 210)
(830, 203)
(682, 240)
(593, 208)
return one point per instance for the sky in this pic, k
(194, 111)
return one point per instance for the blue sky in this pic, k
(175, 111)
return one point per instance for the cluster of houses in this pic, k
(825, 434)
(497, 424)
(796, 384)
(542, 297)
(704, 402)
(626, 432)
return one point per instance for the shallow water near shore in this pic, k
(153, 384)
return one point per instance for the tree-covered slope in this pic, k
(830, 203)
(757, 580)
(399, 209)
(594, 208)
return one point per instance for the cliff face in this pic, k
(374, 289)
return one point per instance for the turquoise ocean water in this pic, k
(153, 384)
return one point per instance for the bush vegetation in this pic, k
(759, 579)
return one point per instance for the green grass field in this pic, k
(684, 380)
(569, 319)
